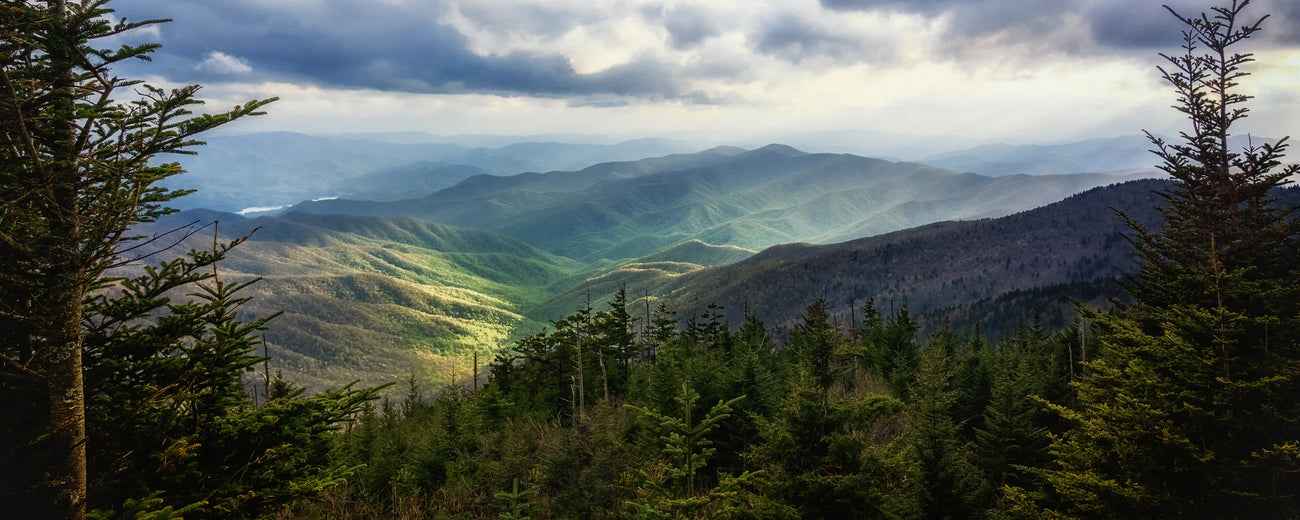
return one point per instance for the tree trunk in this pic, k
(582, 392)
(68, 403)
(66, 277)
(604, 377)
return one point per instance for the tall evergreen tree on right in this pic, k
(1193, 409)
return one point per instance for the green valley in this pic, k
(379, 299)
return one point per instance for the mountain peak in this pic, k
(724, 150)
(779, 149)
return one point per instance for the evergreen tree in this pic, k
(897, 352)
(615, 330)
(688, 448)
(168, 409)
(815, 343)
(1191, 410)
(131, 404)
(837, 459)
(516, 502)
(662, 327)
(972, 385)
(947, 482)
(1013, 436)
(749, 371)
(77, 173)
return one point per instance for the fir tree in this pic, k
(78, 171)
(947, 481)
(815, 343)
(688, 448)
(132, 403)
(1190, 412)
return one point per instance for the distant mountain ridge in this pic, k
(1115, 154)
(234, 172)
(722, 196)
(944, 267)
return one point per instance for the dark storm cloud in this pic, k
(1120, 25)
(409, 45)
(689, 26)
(1283, 24)
(362, 44)
(914, 6)
(1113, 25)
(794, 40)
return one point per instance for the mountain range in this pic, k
(1108, 155)
(447, 260)
(269, 170)
(722, 196)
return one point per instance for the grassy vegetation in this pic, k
(380, 299)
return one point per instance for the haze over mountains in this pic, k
(269, 170)
(722, 196)
(1116, 154)
(235, 172)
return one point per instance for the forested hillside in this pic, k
(940, 266)
(926, 268)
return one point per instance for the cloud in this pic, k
(930, 7)
(703, 54)
(222, 63)
(403, 47)
(688, 26)
(1282, 28)
(1111, 25)
(795, 39)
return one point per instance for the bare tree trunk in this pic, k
(582, 386)
(604, 377)
(68, 403)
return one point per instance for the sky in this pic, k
(1016, 71)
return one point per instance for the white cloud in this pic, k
(728, 69)
(222, 63)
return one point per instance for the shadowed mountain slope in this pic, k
(934, 266)
(943, 266)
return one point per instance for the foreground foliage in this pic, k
(1193, 411)
(124, 398)
(711, 422)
